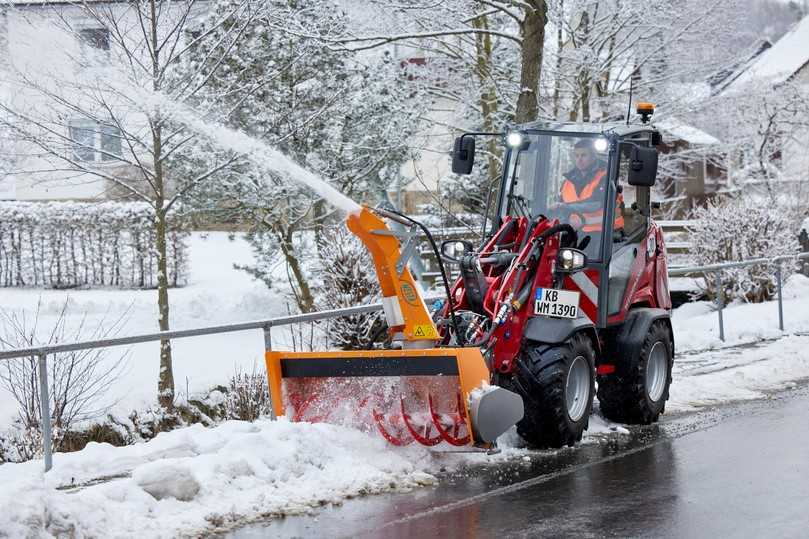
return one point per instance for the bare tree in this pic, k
(77, 381)
(104, 108)
(452, 28)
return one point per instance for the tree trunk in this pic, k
(560, 43)
(533, 40)
(165, 385)
(585, 100)
(488, 97)
(303, 294)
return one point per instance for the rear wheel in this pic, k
(557, 384)
(638, 393)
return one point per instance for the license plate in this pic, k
(556, 303)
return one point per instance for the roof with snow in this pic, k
(781, 61)
(725, 77)
(682, 131)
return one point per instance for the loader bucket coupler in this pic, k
(420, 395)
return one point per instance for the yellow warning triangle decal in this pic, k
(419, 332)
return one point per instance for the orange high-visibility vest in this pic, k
(592, 220)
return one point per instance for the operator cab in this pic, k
(578, 174)
(595, 177)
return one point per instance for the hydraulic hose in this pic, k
(461, 339)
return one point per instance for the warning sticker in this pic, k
(425, 331)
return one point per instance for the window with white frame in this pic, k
(95, 46)
(94, 141)
(96, 38)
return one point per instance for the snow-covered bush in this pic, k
(248, 397)
(743, 228)
(71, 244)
(348, 278)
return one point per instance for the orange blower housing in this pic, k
(415, 393)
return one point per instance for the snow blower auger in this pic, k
(569, 287)
(418, 393)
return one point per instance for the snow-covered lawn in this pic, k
(216, 294)
(195, 479)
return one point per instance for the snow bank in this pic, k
(195, 480)
(738, 374)
(696, 325)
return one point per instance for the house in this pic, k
(785, 65)
(57, 61)
(720, 80)
(785, 61)
(691, 167)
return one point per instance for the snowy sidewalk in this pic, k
(194, 480)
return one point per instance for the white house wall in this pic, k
(42, 50)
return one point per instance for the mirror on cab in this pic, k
(643, 167)
(463, 154)
(455, 249)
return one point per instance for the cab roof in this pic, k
(616, 129)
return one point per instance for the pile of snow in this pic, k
(720, 376)
(194, 480)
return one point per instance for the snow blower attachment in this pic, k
(420, 392)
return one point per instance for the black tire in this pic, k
(541, 378)
(624, 396)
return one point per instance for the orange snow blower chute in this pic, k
(418, 392)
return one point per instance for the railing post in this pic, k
(45, 409)
(268, 347)
(720, 304)
(780, 297)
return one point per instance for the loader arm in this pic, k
(405, 311)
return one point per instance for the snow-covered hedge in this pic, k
(742, 228)
(70, 244)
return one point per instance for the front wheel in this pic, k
(557, 384)
(639, 393)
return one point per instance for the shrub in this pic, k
(77, 380)
(71, 244)
(742, 228)
(247, 397)
(348, 278)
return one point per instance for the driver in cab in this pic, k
(584, 186)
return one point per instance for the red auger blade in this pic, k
(458, 419)
(401, 440)
(422, 439)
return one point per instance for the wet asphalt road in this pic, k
(736, 471)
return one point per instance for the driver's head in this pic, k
(584, 154)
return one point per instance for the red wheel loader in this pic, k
(569, 289)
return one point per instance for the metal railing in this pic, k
(716, 269)
(42, 352)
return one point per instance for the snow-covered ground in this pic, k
(194, 480)
(216, 294)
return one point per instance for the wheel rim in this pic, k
(657, 371)
(577, 390)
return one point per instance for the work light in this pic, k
(600, 145)
(514, 139)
